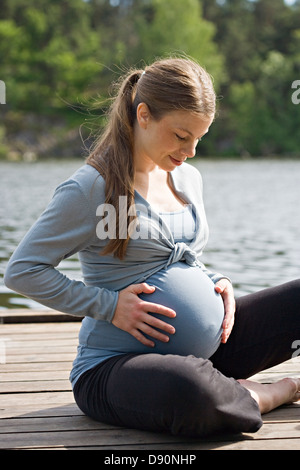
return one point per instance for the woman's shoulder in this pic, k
(87, 181)
(87, 176)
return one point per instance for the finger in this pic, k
(228, 321)
(156, 323)
(225, 335)
(161, 309)
(221, 285)
(142, 339)
(153, 333)
(142, 288)
(227, 328)
(144, 328)
(229, 308)
(230, 305)
(219, 289)
(229, 317)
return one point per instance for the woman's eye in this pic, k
(179, 137)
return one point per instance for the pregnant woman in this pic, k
(163, 345)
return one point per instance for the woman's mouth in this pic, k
(175, 161)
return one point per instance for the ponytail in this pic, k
(113, 158)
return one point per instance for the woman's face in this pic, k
(167, 142)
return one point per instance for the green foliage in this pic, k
(261, 44)
(49, 53)
(56, 53)
(179, 27)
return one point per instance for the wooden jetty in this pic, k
(38, 411)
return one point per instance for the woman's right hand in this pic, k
(132, 315)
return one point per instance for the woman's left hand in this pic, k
(225, 289)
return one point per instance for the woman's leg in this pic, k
(189, 396)
(267, 325)
(166, 393)
(270, 396)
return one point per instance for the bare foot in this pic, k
(270, 396)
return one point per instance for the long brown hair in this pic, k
(166, 85)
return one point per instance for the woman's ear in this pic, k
(143, 115)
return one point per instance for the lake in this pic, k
(252, 209)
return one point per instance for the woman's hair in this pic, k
(167, 85)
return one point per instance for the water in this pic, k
(25, 191)
(252, 210)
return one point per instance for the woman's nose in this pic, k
(189, 150)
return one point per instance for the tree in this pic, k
(135, 32)
(260, 41)
(48, 53)
(178, 27)
(263, 117)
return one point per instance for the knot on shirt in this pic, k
(181, 251)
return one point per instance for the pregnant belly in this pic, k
(198, 322)
(199, 310)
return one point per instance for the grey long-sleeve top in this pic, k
(73, 222)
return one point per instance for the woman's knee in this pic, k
(190, 399)
(201, 401)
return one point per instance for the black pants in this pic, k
(192, 396)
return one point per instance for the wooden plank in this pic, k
(51, 424)
(41, 336)
(37, 343)
(35, 367)
(289, 368)
(288, 413)
(112, 438)
(35, 349)
(116, 437)
(275, 444)
(292, 364)
(40, 358)
(35, 386)
(12, 316)
(23, 328)
(43, 399)
(33, 410)
(270, 444)
(34, 376)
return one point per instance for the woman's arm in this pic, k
(65, 227)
